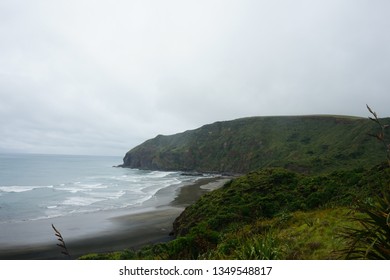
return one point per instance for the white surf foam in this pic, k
(81, 201)
(19, 189)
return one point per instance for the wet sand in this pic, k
(106, 231)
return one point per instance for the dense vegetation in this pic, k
(307, 144)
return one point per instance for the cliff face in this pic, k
(301, 143)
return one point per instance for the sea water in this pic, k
(34, 187)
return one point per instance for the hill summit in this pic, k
(307, 144)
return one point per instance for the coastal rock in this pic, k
(195, 174)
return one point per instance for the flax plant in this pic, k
(371, 239)
(61, 244)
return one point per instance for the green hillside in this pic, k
(307, 144)
(268, 192)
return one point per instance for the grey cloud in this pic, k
(102, 76)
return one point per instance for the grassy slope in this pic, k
(309, 144)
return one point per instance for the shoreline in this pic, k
(108, 231)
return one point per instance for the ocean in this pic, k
(36, 187)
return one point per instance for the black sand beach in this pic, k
(108, 231)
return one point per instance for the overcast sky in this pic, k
(100, 77)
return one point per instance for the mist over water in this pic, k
(34, 187)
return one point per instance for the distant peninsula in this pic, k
(305, 144)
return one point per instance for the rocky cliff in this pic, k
(301, 143)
